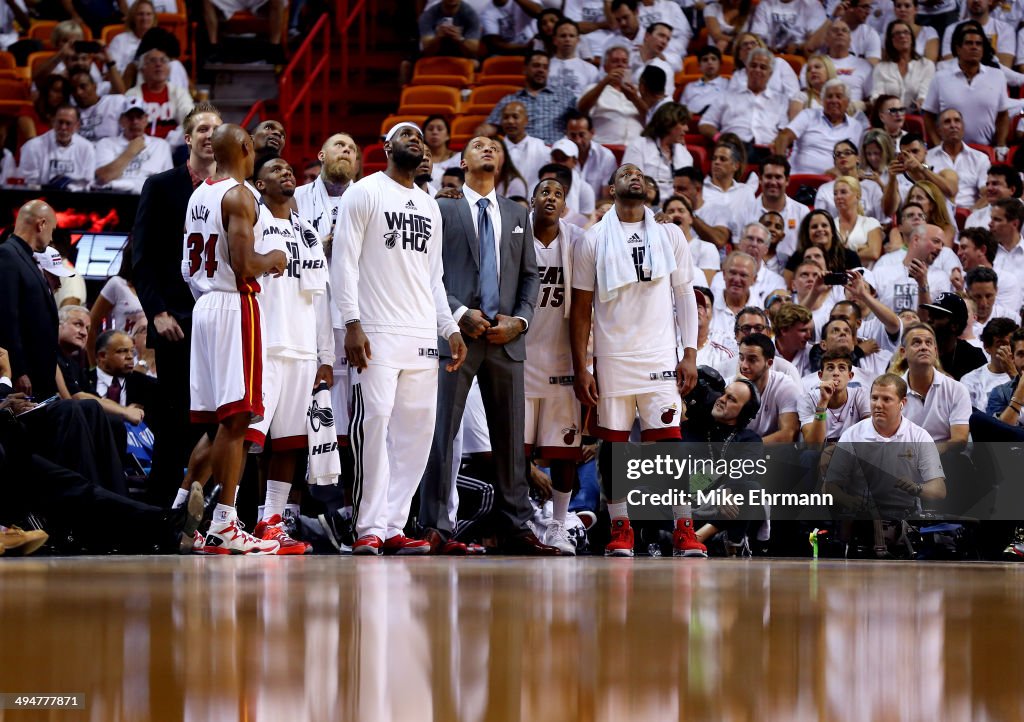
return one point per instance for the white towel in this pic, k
(615, 267)
(324, 460)
(312, 261)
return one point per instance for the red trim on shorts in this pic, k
(289, 443)
(252, 356)
(669, 432)
(529, 449)
(610, 434)
(256, 437)
(561, 453)
(241, 406)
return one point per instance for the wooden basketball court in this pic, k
(326, 638)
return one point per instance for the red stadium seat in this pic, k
(692, 64)
(961, 217)
(463, 129)
(483, 99)
(914, 124)
(700, 158)
(986, 149)
(374, 159)
(797, 180)
(503, 65)
(618, 150)
(14, 89)
(443, 66)
(429, 95)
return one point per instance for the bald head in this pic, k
(514, 120)
(35, 224)
(233, 151)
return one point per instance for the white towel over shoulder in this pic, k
(615, 267)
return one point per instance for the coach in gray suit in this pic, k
(490, 275)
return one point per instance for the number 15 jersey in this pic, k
(206, 258)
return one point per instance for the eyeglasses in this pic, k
(844, 153)
(897, 111)
(749, 329)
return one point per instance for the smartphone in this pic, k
(88, 46)
(836, 279)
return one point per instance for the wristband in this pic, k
(349, 323)
(821, 417)
(1017, 407)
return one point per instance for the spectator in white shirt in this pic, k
(826, 412)
(753, 113)
(99, 114)
(1007, 218)
(903, 73)
(1001, 35)
(982, 286)
(653, 52)
(786, 25)
(783, 78)
(166, 104)
(774, 176)
(710, 222)
(725, 19)
(567, 69)
(776, 421)
(595, 162)
(754, 240)
(794, 328)
(659, 150)
(995, 340)
(1002, 181)
(936, 402)
(705, 255)
(972, 83)
(141, 16)
(60, 157)
(914, 281)
(580, 197)
(700, 94)
(739, 271)
(527, 153)
(977, 250)
(970, 165)
(671, 14)
(614, 103)
(125, 162)
(817, 131)
(728, 162)
(864, 40)
(853, 70)
(506, 27)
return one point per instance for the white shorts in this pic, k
(287, 390)
(553, 426)
(659, 413)
(341, 392)
(226, 374)
(232, 7)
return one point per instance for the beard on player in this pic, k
(405, 158)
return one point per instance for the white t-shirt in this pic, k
(43, 159)
(792, 216)
(616, 120)
(297, 324)
(897, 290)
(573, 74)
(509, 22)
(784, 23)
(154, 158)
(755, 118)
(125, 303)
(856, 408)
(780, 396)
(122, 49)
(529, 155)
(102, 119)
(719, 357)
(980, 382)
(645, 305)
(817, 138)
(647, 155)
(584, 11)
(384, 225)
(549, 369)
(668, 12)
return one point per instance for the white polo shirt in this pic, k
(732, 215)
(783, 79)
(971, 168)
(780, 396)
(1002, 36)
(766, 282)
(865, 42)
(705, 255)
(529, 155)
(646, 154)
(722, 325)
(947, 404)
(817, 138)
(984, 96)
(979, 218)
(699, 95)
(616, 120)
(1007, 263)
(754, 117)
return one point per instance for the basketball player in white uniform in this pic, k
(222, 267)
(299, 344)
(553, 425)
(387, 277)
(637, 320)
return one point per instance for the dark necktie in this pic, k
(488, 262)
(114, 390)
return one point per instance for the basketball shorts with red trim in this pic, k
(287, 391)
(226, 375)
(233, 7)
(641, 386)
(553, 426)
(341, 392)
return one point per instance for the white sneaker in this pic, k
(198, 542)
(231, 538)
(558, 537)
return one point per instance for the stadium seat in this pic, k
(986, 149)
(463, 128)
(798, 180)
(452, 81)
(37, 59)
(391, 120)
(374, 159)
(914, 124)
(700, 157)
(961, 217)
(503, 65)
(443, 66)
(416, 99)
(681, 81)
(42, 29)
(14, 89)
(618, 150)
(483, 99)
(692, 65)
(9, 67)
(795, 62)
(110, 32)
(517, 80)
(696, 139)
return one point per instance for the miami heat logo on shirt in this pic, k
(390, 239)
(668, 414)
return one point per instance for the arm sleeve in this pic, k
(347, 250)
(682, 290)
(446, 324)
(584, 268)
(325, 354)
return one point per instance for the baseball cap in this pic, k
(566, 146)
(51, 261)
(398, 126)
(706, 294)
(133, 102)
(949, 303)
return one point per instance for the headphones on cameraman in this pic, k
(753, 405)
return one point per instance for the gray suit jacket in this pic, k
(517, 291)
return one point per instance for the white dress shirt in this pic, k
(971, 168)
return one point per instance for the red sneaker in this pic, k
(368, 544)
(402, 545)
(621, 544)
(684, 541)
(273, 529)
